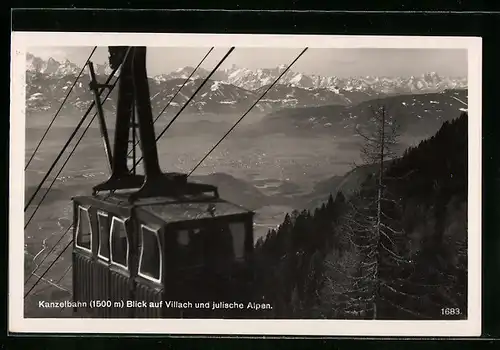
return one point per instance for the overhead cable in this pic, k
(175, 95)
(189, 100)
(70, 155)
(69, 140)
(248, 111)
(60, 108)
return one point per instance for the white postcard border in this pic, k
(17, 323)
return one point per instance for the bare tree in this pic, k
(378, 147)
(370, 232)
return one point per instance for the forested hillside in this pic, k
(328, 263)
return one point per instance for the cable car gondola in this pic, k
(155, 245)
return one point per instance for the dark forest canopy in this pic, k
(310, 267)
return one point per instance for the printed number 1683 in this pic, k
(450, 311)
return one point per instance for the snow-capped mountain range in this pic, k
(228, 90)
(55, 68)
(255, 79)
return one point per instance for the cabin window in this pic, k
(238, 233)
(103, 221)
(119, 242)
(84, 229)
(150, 262)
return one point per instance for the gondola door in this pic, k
(83, 249)
(121, 286)
(112, 267)
(150, 264)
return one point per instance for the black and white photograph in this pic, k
(248, 184)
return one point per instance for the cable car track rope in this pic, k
(57, 283)
(248, 111)
(157, 138)
(53, 181)
(48, 268)
(70, 155)
(48, 254)
(74, 148)
(40, 278)
(80, 123)
(188, 101)
(60, 108)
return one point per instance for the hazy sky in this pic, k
(328, 62)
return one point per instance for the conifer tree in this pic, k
(369, 228)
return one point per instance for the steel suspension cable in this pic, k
(164, 130)
(74, 148)
(70, 155)
(248, 111)
(178, 91)
(60, 108)
(189, 100)
(53, 181)
(69, 228)
(47, 270)
(58, 284)
(47, 255)
(64, 274)
(71, 137)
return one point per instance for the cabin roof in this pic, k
(176, 212)
(177, 209)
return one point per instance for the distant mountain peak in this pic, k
(231, 89)
(253, 79)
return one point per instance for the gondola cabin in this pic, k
(194, 249)
(154, 245)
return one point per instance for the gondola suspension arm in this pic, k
(134, 89)
(95, 86)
